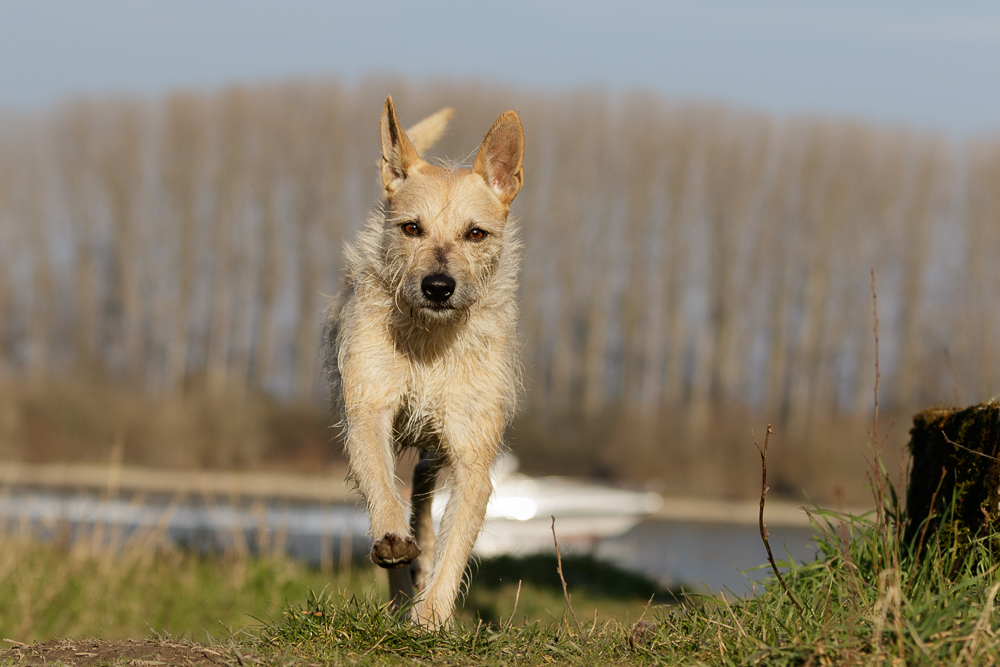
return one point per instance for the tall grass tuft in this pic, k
(869, 598)
(128, 589)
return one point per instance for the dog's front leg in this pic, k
(369, 444)
(471, 446)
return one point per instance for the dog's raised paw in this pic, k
(391, 551)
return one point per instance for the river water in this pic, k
(703, 556)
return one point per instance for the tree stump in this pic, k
(955, 453)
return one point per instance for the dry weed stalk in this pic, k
(876, 476)
(579, 629)
(517, 598)
(763, 529)
(963, 447)
(983, 627)
(927, 522)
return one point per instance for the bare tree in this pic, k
(181, 162)
(230, 116)
(679, 259)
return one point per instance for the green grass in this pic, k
(50, 590)
(599, 590)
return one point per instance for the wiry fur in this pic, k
(412, 367)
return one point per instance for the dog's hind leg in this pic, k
(405, 582)
(425, 475)
(401, 588)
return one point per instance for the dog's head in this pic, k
(443, 234)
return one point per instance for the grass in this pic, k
(49, 590)
(869, 598)
(86, 589)
(600, 590)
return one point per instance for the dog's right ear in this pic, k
(399, 156)
(501, 156)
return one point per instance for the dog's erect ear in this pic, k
(398, 154)
(500, 157)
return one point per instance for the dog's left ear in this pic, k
(398, 154)
(500, 157)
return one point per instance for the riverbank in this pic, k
(331, 488)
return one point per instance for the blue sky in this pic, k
(925, 64)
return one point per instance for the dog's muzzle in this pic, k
(438, 288)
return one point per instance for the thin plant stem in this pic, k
(559, 569)
(763, 529)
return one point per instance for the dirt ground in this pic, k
(87, 652)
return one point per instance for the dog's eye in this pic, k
(476, 234)
(411, 228)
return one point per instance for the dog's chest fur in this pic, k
(452, 371)
(436, 372)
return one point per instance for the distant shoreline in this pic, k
(331, 488)
(782, 513)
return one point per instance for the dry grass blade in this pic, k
(517, 598)
(927, 523)
(476, 637)
(982, 627)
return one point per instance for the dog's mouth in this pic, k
(437, 313)
(431, 313)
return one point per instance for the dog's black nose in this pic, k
(438, 287)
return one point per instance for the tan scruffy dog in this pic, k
(424, 350)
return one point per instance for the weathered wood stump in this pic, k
(956, 453)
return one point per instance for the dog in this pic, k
(423, 350)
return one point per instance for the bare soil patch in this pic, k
(87, 652)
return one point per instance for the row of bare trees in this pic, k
(677, 255)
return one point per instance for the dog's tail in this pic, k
(425, 134)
